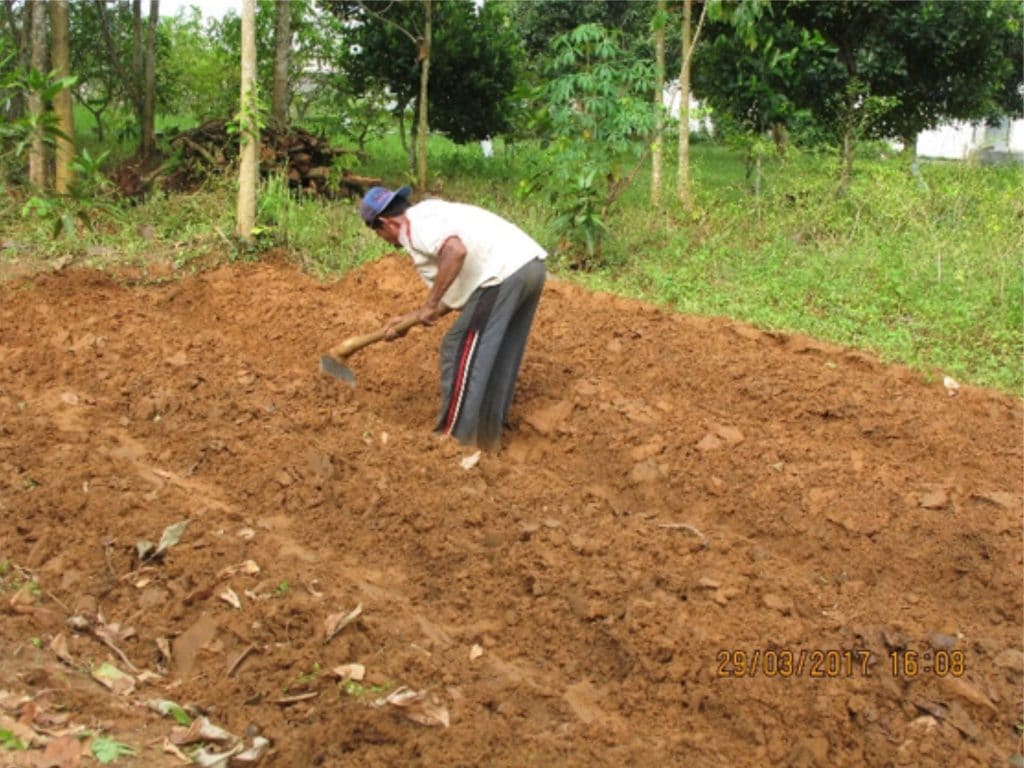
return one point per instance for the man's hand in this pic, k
(428, 314)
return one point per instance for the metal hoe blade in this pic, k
(337, 369)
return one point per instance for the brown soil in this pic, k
(673, 487)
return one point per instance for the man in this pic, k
(490, 271)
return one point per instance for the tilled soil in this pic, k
(702, 544)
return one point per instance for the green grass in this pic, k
(928, 277)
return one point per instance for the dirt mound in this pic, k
(703, 544)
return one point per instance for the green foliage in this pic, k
(16, 134)
(11, 742)
(472, 61)
(86, 197)
(595, 109)
(107, 750)
(863, 69)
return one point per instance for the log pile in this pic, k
(309, 163)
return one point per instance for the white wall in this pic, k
(959, 141)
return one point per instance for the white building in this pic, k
(960, 141)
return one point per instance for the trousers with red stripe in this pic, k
(481, 354)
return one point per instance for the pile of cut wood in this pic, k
(307, 161)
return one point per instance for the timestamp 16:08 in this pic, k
(835, 663)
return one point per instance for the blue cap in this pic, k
(377, 199)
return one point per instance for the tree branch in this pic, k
(115, 59)
(415, 40)
(696, 33)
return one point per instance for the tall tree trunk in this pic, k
(421, 138)
(149, 105)
(657, 146)
(19, 36)
(137, 73)
(282, 47)
(683, 177)
(37, 150)
(249, 131)
(63, 175)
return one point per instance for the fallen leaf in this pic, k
(253, 754)
(213, 759)
(348, 672)
(164, 646)
(470, 461)
(200, 730)
(476, 652)
(229, 597)
(249, 568)
(419, 706)
(17, 731)
(295, 698)
(173, 750)
(169, 708)
(59, 645)
(107, 750)
(113, 678)
(63, 752)
(172, 535)
(336, 622)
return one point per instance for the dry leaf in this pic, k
(476, 651)
(200, 730)
(348, 672)
(213, 759)
(59, 645)
(249, 568)
(173, 750)
(229, 597)
(419, 706)
(336, 622)
(164, 646)
(64, 752)
(113, 678)
(296, 698)
(470, 461)
(20, 731)
(253, 754)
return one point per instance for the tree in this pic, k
(282, 47)
(472, 51)
(598, 120)
(148, 143)
(894, 69)
(249, 132)
(62, 100)
(660, 18)
(37, 175)
(19, 37)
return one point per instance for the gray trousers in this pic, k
(480, 357)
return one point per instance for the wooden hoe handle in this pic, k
(355, 343)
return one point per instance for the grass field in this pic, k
(929, 275)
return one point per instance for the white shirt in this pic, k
(495, 248)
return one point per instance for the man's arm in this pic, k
(449, 263)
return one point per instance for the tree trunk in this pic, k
(683, 177)
(249, 132)
(137, 73)
(659, 109)
(780, 135)
(63, 175)
(282, 47)
(421, 138)
(149, 105)
(19, 37)
(37, 150)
